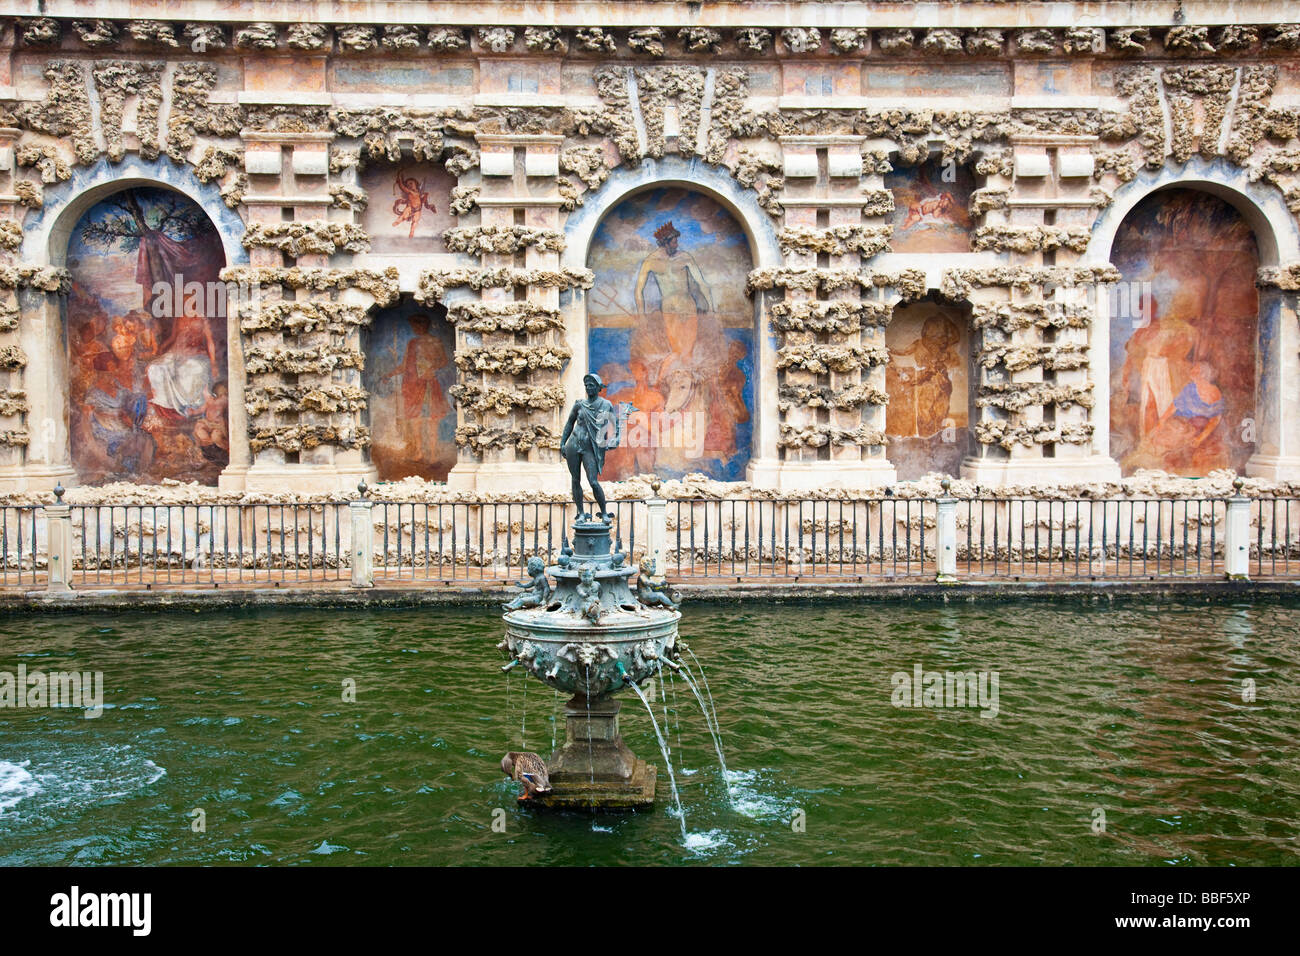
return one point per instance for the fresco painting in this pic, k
(927, 381)
(146, 334)
(671, 333)
(1183, 364)
(409, 373)
(409, 207)
(931, 207)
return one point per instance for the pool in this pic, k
(1124, 735)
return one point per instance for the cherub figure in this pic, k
(652, 592)
(537, 589)
(588, 595)
(412, 200)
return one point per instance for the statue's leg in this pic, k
(596, 491)
(574, 461)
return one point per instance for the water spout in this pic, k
(663, 749)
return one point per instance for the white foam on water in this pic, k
(80, 778)
(326, 848)
(751, 798)
(16, 784)
(707, 840)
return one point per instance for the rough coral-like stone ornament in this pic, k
(941, 41)
(1234, 37)
(96, 32)
(1189, 40)
(1084, 40)
(895, 40)
(846, 40)
(1129, 39)
(30, 194)
(505, 240)
(647, 40)
(42, 31)
(1284, 36)
(307, 36)
(357, 38)
(1035, 41)
(400, 36)
(818, 436)
(594, 40)
(447, 38)
(543, 39)
(202, 37)
(802, 39)
(700, 39)
(754, 40)
(257, 36)
(157, 32)
(496, 39)
(985, 42)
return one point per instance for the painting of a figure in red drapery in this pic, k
(147, 341)
(409, 373)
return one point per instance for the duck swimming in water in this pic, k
(530, 770)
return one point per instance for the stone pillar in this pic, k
(363, 541)
(1277, 411)
(1236, 536)
(945, 547)
(656, 529)
(58, 524)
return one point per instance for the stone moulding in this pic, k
(12, 357)
(1008, 434)
(1030, 238)
(910, 283)
(866, 241)
(53, 279)
(13, 401)
(1062, 356)
(382, 286)
(958, 284)
(512, 359)
(1013, 396)
(816, 436)
(503, 400)
(841, 316)
(505, 240)
(504, 317)
(309, 360)
(1015, 318)
(316, 236)
(433, 284)
(300, 318)
(293, 438)
(522, 438)
(821, 359)
(325, 398)
(823, 396)
(1285, 277)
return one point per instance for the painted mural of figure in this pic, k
(412, 200)
(636, 455)
(688, 359)
(920, 395)
(423, 404)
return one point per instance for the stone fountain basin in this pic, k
(568, 652)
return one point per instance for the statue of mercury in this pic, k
(587, 434)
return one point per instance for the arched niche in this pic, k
(1185, 336)
(1276, 424)
(928, 380)
(408, 377)
(757, 227)
(145, 328)
(671, 332)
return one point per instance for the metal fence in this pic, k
(482, 542)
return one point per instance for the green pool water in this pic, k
(1136, 711)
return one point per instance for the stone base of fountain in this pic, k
(594, 768)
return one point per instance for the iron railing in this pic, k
(449, 543)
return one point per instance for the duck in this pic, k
(530, 770)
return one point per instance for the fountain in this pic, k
(591, 636)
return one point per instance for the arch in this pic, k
(1260, 204)
(45, 236)
(672, 332)
(762, 246)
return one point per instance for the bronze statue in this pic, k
(537, 589)
(586, 436)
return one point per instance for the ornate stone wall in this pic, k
(1055, 130)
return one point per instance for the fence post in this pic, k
(945, 550)
(1236, 537)
(363, 540)
(656, 528)
(58, 532)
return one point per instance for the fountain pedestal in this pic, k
(595, 768)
